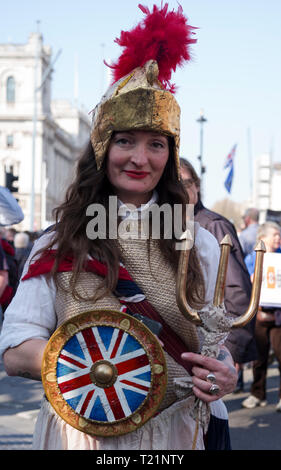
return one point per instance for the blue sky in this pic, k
(235, 74)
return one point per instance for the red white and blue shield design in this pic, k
(104, 373)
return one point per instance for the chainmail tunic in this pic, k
(155, 276)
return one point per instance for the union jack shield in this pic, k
(108, 376)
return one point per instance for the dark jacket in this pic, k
(240, 342)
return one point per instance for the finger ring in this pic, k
(214, 389)
(211, 378)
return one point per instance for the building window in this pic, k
(11, 90)
(10, 140)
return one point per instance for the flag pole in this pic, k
(250, 160)
(201, 121)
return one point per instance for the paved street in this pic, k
(257, 429)
(19, 404)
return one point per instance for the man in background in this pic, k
(248, 236)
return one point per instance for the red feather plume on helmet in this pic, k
(162, 36)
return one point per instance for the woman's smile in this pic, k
(136, 174)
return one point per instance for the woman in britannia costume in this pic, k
(133, 156)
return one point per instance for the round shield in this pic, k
(104, 373)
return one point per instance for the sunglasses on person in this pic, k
(188, 182)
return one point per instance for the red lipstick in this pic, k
(136, 174)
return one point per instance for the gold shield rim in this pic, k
(153, 350)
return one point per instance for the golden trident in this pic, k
(225, 247)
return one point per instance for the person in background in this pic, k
(241, 343)
(268, 326)
(4, 279)
(10, 235)
(10, 214)
(22, 249)
(3, 271)
(248, 236)
(9, 250)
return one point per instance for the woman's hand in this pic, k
(222, 368)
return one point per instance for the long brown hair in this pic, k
(69, 233)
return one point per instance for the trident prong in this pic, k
(190, 314)
(185, 309)
(256, 288)
(226, 244)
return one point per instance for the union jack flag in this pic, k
(229, 163)
(230, 158)
(119, 348)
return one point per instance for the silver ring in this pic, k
(214, 389)
(211, 378)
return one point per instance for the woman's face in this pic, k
(135, 164)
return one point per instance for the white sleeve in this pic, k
(208, 251)
(31, 314)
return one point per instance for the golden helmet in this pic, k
(141, 97)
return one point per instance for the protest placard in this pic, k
(271, 282)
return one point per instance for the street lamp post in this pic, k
(201, 121)
(34, 122)
(37, 88)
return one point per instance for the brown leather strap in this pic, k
(173, 344)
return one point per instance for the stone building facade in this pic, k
(40, 139)
(267, 183)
